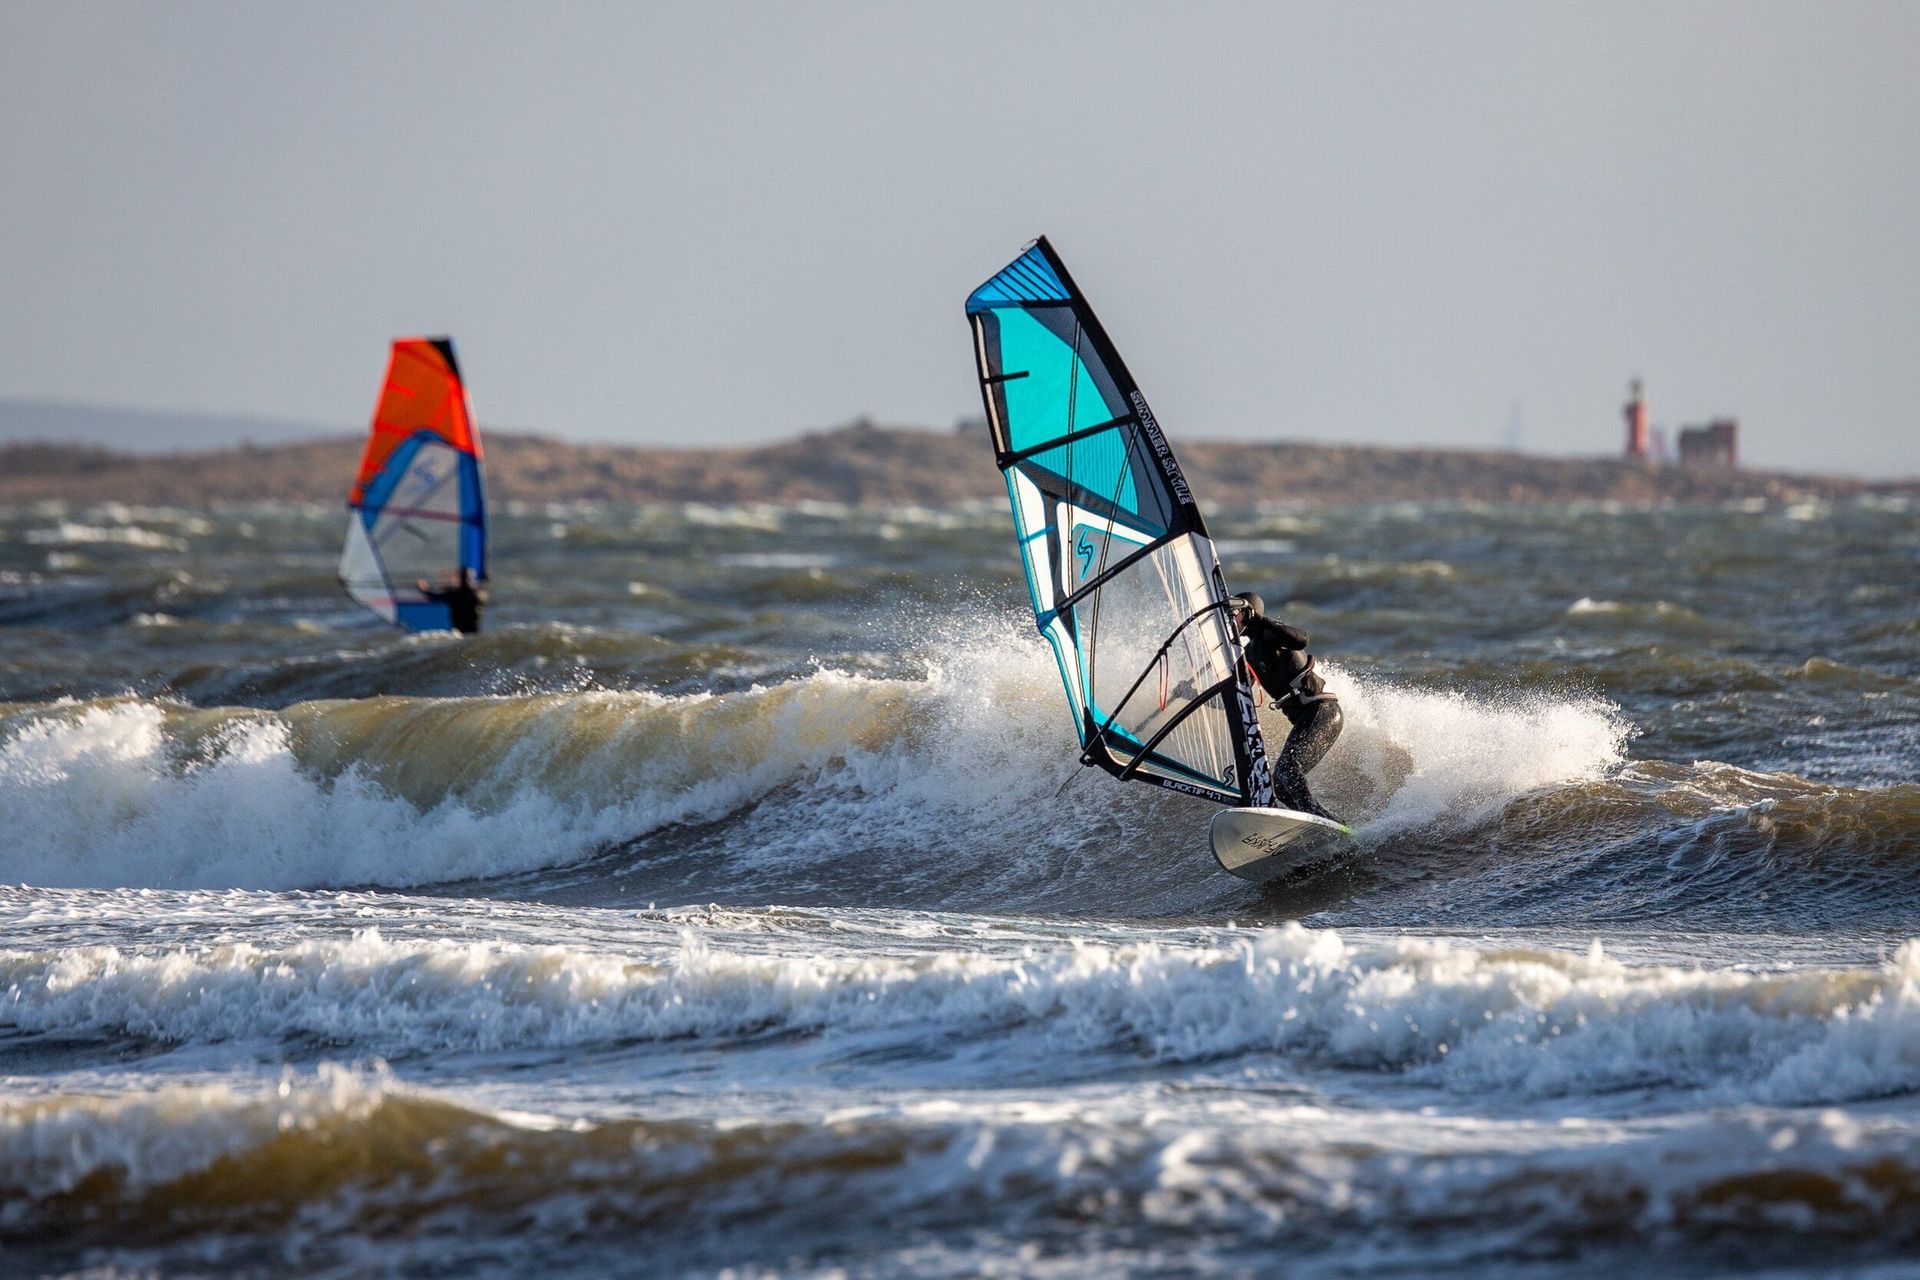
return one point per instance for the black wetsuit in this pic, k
(464, 604)
(1278, 655)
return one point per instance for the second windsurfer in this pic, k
(465, 600)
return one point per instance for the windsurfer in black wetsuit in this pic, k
(1278, 655)
(464, 600)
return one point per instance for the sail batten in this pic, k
(417, 509)
(1124, 581)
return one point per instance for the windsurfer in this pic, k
(464, 599)
(1278, 657)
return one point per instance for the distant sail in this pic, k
(416, 507)
(1124, 580)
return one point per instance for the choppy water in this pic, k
(716, 910)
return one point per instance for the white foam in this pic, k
(744, 515)
(1432, 757)
(135, 793)
(1663, 609)
(778, 560)
(69, 533)
(1483, 1022)
(149, 1139)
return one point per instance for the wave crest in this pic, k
(951, 781)
(1514, 1022)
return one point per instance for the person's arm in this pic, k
(1279, 634)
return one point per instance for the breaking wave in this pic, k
(1516, 1022)
(394, 791)
(955, 788)
(305, 1173)
(964, 759)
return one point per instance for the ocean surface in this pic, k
(735, 906)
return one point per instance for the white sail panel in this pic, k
(360, 571)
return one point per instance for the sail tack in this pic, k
(1125, 584)
(416, 510)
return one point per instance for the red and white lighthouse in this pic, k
(1636, 413)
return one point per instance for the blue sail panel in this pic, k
(420, 521)
(1028, 278)
(423, 615)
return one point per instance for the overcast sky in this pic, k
(694, 223)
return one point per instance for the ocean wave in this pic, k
(75, 602)
(1511, 1022)
(1654, 608)
(394, 791)
(70, 534)
(1227, 548)
(1333, 568)
(1689, 846)
(1657, 615)
(900, 781)
(780, 559)
(316, 1169)
(550, 657)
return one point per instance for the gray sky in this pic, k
(687, 223)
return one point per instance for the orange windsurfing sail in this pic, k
(418, 513)
(423, 392)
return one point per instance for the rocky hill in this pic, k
(872, 464)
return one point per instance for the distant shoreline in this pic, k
(873, 465)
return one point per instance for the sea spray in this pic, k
(1439, 757)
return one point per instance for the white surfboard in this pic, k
(1265, 844)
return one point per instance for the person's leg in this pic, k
(1306, 746)
(1289, 779)
(1322, 733)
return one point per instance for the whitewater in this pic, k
(737, 897)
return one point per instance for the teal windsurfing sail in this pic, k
(1125, 583)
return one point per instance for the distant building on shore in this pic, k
(1716, 445)
(1636, 414)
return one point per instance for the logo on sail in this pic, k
(1083, 547)
(1161, 449)
(1259, 773)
